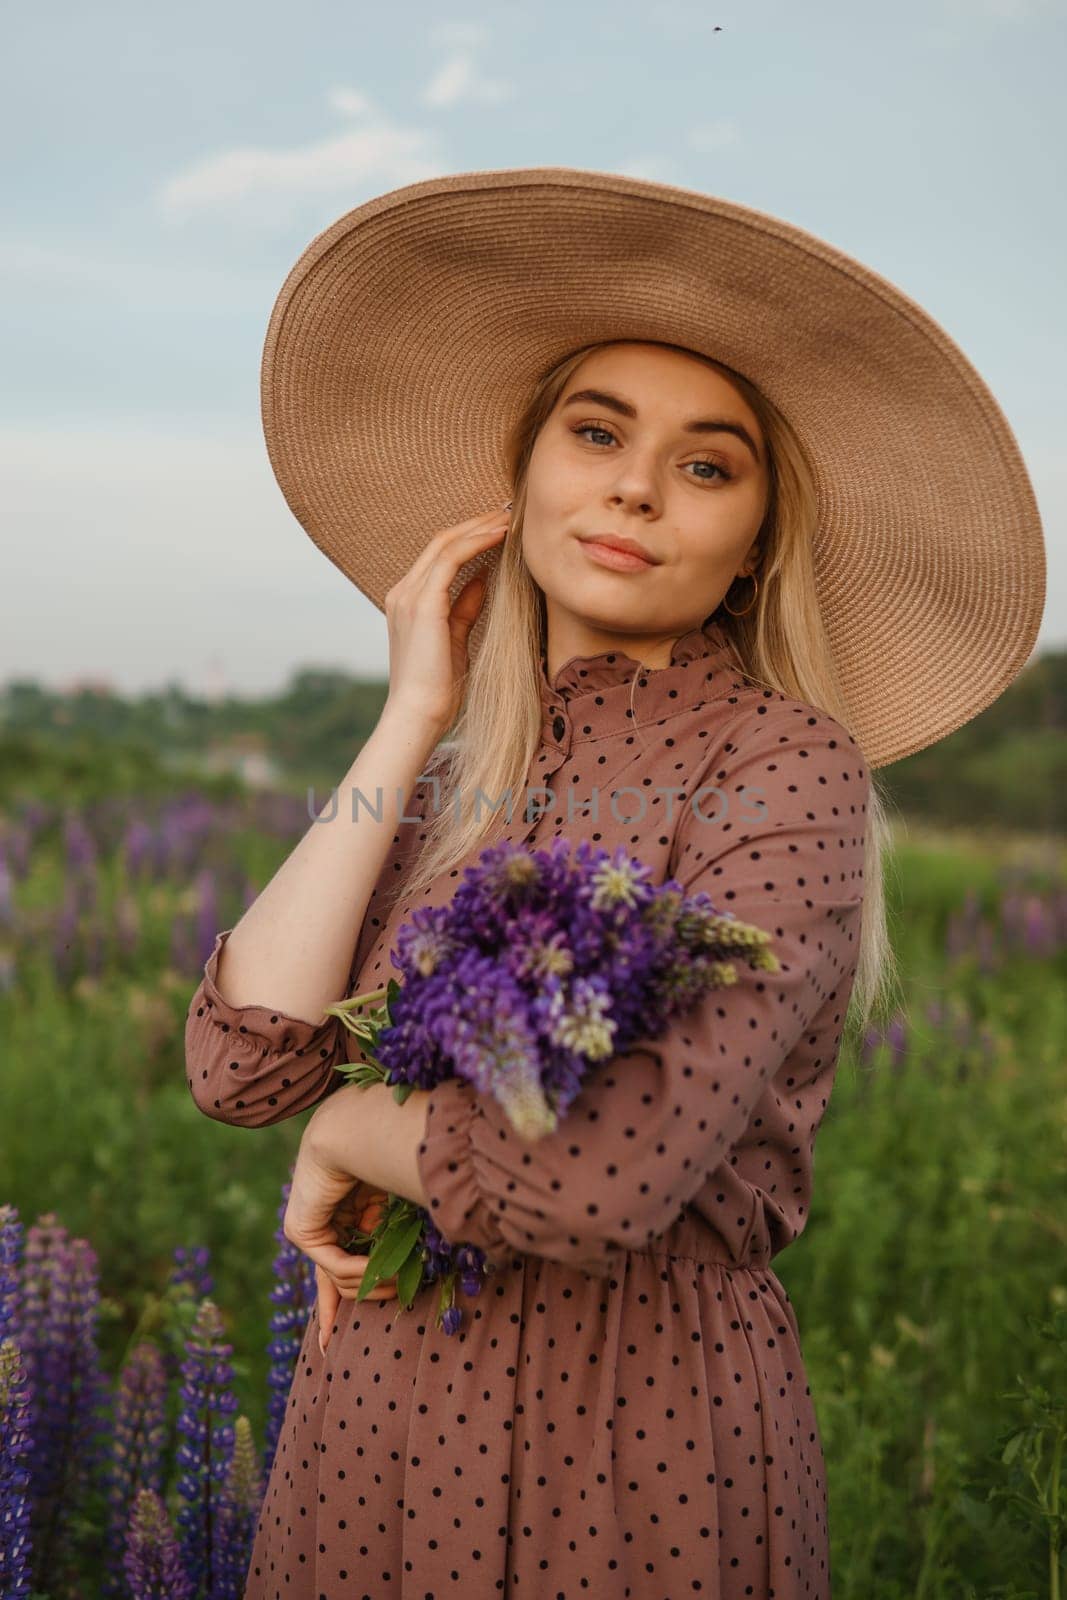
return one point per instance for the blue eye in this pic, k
(702, 461)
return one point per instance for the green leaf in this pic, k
(409, 1278)
(361, 1073)
(389, 1254)
(396, 1244)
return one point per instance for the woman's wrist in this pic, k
(362, 1130)
(413, 724)
(338, 1126)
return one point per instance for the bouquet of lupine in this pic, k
(539, 967)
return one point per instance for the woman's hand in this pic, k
(325, 1203)
(428, 633)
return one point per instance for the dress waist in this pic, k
(693, 1238)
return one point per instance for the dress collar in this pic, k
(591, 696)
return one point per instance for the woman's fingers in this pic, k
(427, 633)
(348, 1281)
(328, 1301)
(455, 541)
(341, 1280)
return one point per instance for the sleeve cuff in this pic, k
(474, 1171)
(457, 1208)
(252, 1025)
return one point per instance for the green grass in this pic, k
(934, 1250)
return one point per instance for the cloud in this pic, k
(350, 103)
(655, 168)
(458, 81)
(271, 188)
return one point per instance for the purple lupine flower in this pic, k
(206, 1447)
(962, 930)
(90, 1426)
(136, 848)
(989, 958)
(207, 914)
(88, 1434)
(293, 1296)
(20, 840)
(445, 1263)
(191, 1267)
(184, 943)
(153, 1563)
(127, 923)
(186, 821)
(872, 1038)
(138, 1450)
(893, 1035)
(1032, 921)
(10, 1281)
(65, 946)
(1059, 916)
(1038, 934)
(16, 1439)
(238, 1516)
(7, 892)
(896, 1037)
(79, 844)
(69, 1391)
(542, 964)
(168, 831)
(47, 1320)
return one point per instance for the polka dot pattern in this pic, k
(625, 1411)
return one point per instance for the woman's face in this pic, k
(626, 461)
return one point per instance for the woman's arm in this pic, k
(269, 980)
(253, 1063)
(293, 948)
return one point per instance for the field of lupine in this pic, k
(151, 1309)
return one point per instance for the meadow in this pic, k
(929, 1285)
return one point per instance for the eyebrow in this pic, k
(611, 402)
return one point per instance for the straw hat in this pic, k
(406, 338)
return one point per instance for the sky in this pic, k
(164, 167)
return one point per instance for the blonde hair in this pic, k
(781, 643)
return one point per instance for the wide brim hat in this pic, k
(408, 335)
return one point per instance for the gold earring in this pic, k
(748, 608)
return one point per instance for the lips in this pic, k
(630, 547)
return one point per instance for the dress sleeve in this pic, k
(773, 829)
(252, 1065)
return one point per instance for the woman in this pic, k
(625, 1410)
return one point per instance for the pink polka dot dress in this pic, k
(625, 1413)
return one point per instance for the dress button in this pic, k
(559, 728)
